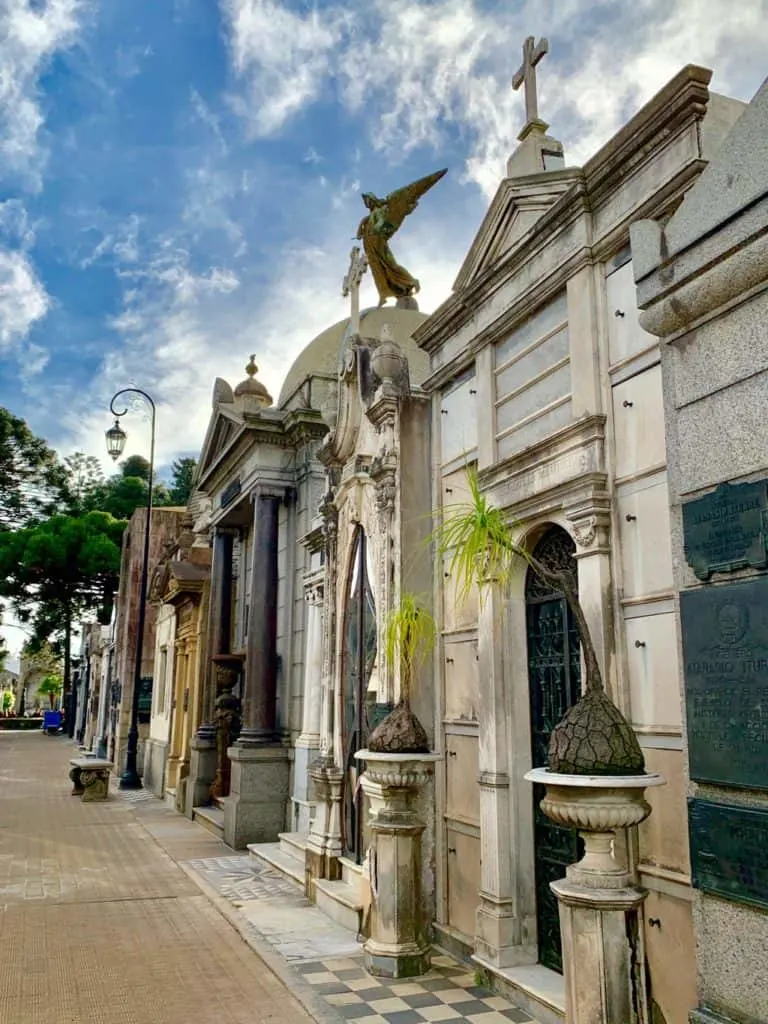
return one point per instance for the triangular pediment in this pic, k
(516, 208)
(225, 425)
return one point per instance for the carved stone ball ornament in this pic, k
(594, 738)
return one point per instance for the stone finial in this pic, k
(252, 388)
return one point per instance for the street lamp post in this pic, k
(116, 438)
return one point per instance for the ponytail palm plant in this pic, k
(410, 636)
(478, 539)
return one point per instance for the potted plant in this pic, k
(479, 540)
(410, 636)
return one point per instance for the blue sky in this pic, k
(180, 179)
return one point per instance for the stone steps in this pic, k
(276, 857)
(341, 902)
(211, 818)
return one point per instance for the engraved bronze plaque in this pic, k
(729, 851)
(727, 529)
(725, 654)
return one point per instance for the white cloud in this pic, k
(284, 56)
(23, 301)
(421, 70)
(30, 34)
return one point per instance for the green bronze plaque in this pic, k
(725, 655)
(729, 851)
(727, 529)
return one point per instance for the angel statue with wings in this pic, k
(375, 231)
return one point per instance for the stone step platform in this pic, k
(211, 818)
(276, 856)
(341, 902)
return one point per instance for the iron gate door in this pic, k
(554, 678)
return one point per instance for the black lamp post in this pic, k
(116, 438)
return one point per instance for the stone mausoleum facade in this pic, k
(586, 423)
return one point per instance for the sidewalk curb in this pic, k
(313, 1003)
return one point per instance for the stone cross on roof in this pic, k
(358, 265)
(526, 74)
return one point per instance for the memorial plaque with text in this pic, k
(727, 529)
(729, 851)
(725, 653)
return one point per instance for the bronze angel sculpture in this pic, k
(375, 231)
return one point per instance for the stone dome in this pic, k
(252, 388)
(323, 354)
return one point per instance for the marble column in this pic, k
(255, 810)
(202, 761)
(308, 743)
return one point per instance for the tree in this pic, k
(84, 482)
(182, 477)
(31, 476)
(122, 495)
(51, 687)
(135, 465)
(60, 570)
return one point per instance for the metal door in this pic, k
(554, 677)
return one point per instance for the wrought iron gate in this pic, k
(359, 658)
(554, 677)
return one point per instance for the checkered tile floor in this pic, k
(448, 993)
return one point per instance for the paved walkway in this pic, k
(99, 924)
(125, 912)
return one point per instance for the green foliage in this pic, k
(50, 687)
(60, 569)
(410, 636)
(182, 478)
(31, 477)
(135, 466)
(477, 538)
(84, 483)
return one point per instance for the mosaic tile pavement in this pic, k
(240, 879)
(448, 993)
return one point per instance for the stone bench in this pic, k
(90, 778)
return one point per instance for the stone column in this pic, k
(202, 759)
(398, 946)
(260, 689)
(590, 526)
(255, 811)
(499, 931)
(308, 743)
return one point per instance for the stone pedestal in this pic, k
(202, 769)
(323, 847)
(600, 903)
(254, 812)
(398, 946)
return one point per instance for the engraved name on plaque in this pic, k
(725, 651)
(727, 529)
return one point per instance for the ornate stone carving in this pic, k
(585, 532)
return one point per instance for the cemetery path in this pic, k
(99, 924)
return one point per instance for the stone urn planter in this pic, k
(600, 904)
(398, 945)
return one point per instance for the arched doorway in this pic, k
(359, 658)
(554, 679)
